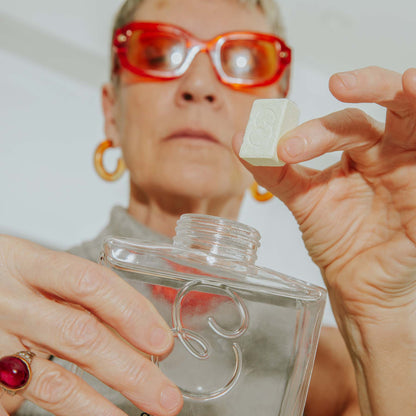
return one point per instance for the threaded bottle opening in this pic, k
(218, 237)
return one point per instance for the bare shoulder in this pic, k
(333, 390)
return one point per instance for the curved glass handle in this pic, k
(199, 347)
(225, 389)
(222, 332)
(221, 391)
(186, 336)
(243, 313)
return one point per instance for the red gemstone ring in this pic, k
(15, 371)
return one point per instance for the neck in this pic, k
(161, 212)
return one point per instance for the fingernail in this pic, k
(348, 79)
(170, 398)
(159, 338)
(295, 146)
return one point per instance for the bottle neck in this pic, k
(217, 237)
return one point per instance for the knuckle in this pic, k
(133, 313)
(355, 114)
(4, 241)
(8, 252)
(87, 282)
(364, 123)
(139, 375)
(7, 241)
(373, 68)
(130, 317)
(81, 331)
(54, 387)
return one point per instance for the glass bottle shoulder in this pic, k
(175, 266)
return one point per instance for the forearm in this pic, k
(384, 357)
(333, 390)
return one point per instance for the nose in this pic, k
(199, 85)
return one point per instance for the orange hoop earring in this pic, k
(99, 165)
(258, 196)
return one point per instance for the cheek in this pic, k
(240, 111)
(132, 128)
(138, 116)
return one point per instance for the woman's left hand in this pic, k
(358, 220)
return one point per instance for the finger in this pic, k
(94, 287)
(349, 130)
(409, 84)
(371, 85)
(286, 182)
(77, 336)
(62, 393)
(2, 410)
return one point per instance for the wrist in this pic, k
(383, 350)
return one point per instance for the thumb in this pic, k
(288, 182)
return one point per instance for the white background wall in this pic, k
(53, 58)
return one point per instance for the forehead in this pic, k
(205, 18)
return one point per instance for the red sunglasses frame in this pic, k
(194, 47)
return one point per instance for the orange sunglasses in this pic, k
(163, 51)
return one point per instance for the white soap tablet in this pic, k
(269, 120)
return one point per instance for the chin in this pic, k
(203, 187)
(200, 180)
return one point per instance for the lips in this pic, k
(193, 134)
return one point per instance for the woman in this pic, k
(176, 139)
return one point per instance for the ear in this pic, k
(108, 102)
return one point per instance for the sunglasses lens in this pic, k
(155, 51)
(249, 60)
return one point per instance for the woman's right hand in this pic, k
(54, 303)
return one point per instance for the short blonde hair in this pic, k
(270, 8)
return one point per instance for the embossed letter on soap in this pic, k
(269, 120)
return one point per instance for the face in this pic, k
(176, 135)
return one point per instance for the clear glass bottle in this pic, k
(246, 336)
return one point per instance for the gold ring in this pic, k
(15, 371)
